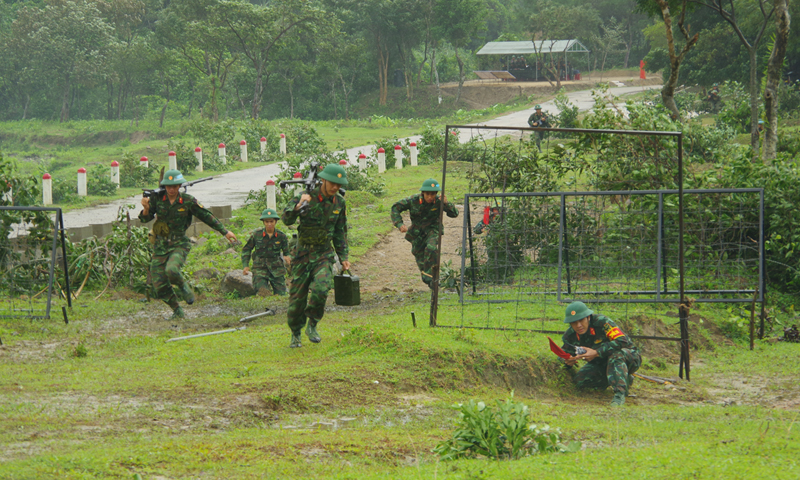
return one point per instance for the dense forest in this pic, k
(316, 59)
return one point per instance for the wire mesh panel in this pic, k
(29, 259)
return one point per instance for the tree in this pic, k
(774, 68)
(458, 22)
(728, 13)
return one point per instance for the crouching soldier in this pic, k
(612, 357)
(173, 212)
(425, 228)
(265, 246)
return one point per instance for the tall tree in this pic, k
(459, 22)
(727, 10)
(774, 69)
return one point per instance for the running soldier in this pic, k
(538, 119)
(612, 357)
(425, 227)
(324, 223)
(266, 245)
(173, 212)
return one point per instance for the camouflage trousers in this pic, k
(265, 279)
(424, 250)
(165, 271)
(612, 371)
(308, 292)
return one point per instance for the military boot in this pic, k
(295, 341)
(311, 332)
(619, 400)
(187, 294)
(177, 314)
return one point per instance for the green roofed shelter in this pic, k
(539, 47)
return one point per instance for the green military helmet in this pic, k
(334, 173)
(430, 185)
(269, 213)
(576, 311)
(172, 177)
(537, 107)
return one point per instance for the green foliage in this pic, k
(735, 111)
(505, 433)
(99, 183)
(132, 174)
(567, 112)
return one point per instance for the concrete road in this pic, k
(232, 188)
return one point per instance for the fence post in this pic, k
(198, 154)
(222, 158)
(243, 151)
(283, 144)
(271, 194)
(398, 157)
(47, 189)
(362, 162)
(381, 160)
(299, 188)
(115, 172)
(173, 161)
(144, 162)
(413, 148)
(263, 145)
(82, 182)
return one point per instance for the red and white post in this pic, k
(271, 194)
(144, 162)
(398, 157)
(283, 144)
(47, 189)
(222, 158)
(173, 161)
(362, 162)
(115, 172)
(298, 189)
(82, 182)
(198, 154)
(263, 145)
(413, 148)
(381, 160)
(243, 150)
(343, 162)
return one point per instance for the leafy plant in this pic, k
(503, 433)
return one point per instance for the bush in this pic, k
(503, 434)
(133, 175)
(100, 184)
(567, 112)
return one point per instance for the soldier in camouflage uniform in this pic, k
(266, 245)
(174, 211)
(322, 230)
(612, 357)
(425, 227)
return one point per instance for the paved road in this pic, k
(232, 188)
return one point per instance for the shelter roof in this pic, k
(526, 47)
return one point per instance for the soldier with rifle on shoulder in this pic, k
(173, 211)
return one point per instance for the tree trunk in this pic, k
(774, 67)
(675, 59)
(436, 75)
(754, 140)
(25, 108)
(110, 103)
(460, 75)
(258, 90)
(65, 103)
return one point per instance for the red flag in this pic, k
(557, 350)
(486, 216)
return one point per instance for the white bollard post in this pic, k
(283, 144)
(243, 151)
(413, 148)
(398, 157)
(271, 194)
(198, 154)
(173, 161)
(47, 189)
(343, 163)
(115, 172)
(381, 160)
(298, 189)
(144, 162)
(82, 182)
(222, 158)
(263, 145)
(362, 162)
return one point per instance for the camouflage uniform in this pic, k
(322, 231)
(268, 263)
(424, 231)
(171, 243)
(617, 355)
(538, 120)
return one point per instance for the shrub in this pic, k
(131, 174)
(100, 184)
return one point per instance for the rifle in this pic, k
(147, 193)
(310, 181)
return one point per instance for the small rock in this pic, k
(237, 281)
(207, 273)
(230, 251)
